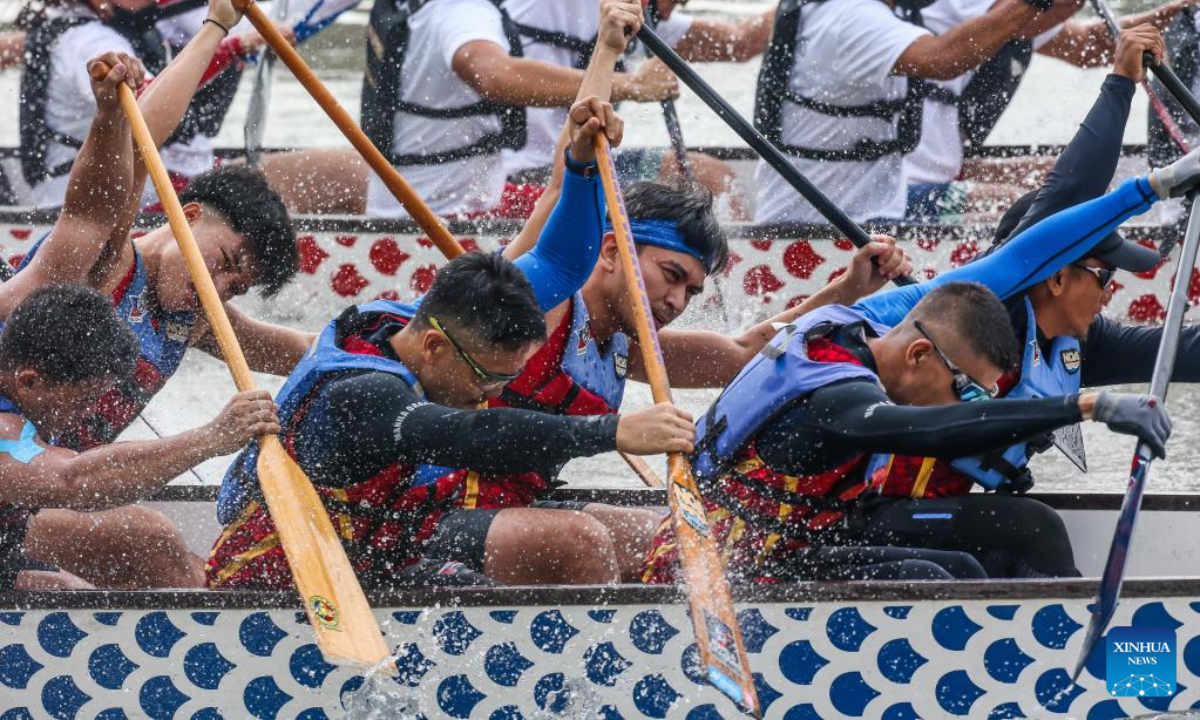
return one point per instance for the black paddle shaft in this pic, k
(1175, 86)
(764, 147)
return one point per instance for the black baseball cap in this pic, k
(1113, 249)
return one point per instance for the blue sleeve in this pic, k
(1032, 256)
(1116, 354)
(567, 250)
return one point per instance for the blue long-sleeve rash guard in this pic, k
(1032, 256)
(567, 250)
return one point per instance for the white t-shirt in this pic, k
(939, 156)
(70, 106)
(580, 19)
(473, 184)
(844, 56)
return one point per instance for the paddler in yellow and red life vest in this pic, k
(781, 470)
(1067, 344)
(505, 529)
(781, 458)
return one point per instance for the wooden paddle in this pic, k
(713, 619)
(346, 630)
(396, 184)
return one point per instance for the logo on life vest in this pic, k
(324, 612)
(137, 311)
(179, 331)
(1071, 360)
(621, 365)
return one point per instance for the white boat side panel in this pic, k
(1163, 542)
(930, 659)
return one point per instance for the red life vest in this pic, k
(383, 520)
(757, 514)
(909, 476)
(544, 386)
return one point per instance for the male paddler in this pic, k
(46, 385)
(782, 456)
(388, 387)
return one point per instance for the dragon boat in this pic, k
(989, 649)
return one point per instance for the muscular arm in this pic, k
(1030, 257)
(356, 444)
(269, 348)
(105, 477)
(714, 41)
(946, 56)
(839, 422)
(1116, 354)
(501, 78)
(1091, 44)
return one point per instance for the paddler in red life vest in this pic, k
(504, 523)
(246, 239)
(388, 387)
(781, 457)
(47, 384)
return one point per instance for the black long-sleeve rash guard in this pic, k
(836, 423)
(362, 422)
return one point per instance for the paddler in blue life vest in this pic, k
(246, 238)
(389, 387)
(505, 523)
(1067, 344)
(61, 349)
(782, 458)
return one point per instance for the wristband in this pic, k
(1042, 5)
(214, 22)
(586, 170)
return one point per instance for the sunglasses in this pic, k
(487, 378)
(1103, 275)
(965, 388)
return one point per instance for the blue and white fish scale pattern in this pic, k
(978, 659)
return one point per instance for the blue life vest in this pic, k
(781, 375)
(1041, 376)
(162, 341)
(324, 357)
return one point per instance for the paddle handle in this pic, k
(214, 309)
(399, 187)
(642, 469)
(756, 140)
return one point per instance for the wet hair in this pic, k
(68, 333)
(256, 212)
(488, 297)
(690, 207)
(976, 316)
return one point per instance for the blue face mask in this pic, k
(663, 234)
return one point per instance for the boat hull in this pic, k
(846, 650)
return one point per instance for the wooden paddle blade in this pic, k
(714, 620)
(341, 617)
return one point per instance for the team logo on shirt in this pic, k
(621, 365)
(1037, 353)
(178, 330)
(1071, 360)
(583, 339)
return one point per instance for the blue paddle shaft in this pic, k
(764, 147)
(1164, 365)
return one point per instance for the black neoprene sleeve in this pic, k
(838, 422)
(373, 420)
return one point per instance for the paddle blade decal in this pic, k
(346, 630)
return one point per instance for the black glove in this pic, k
(1141, 415)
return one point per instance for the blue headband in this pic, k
(663, 234)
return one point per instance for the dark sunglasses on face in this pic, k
(1103, 276)
(487, 378)
(965, 388)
